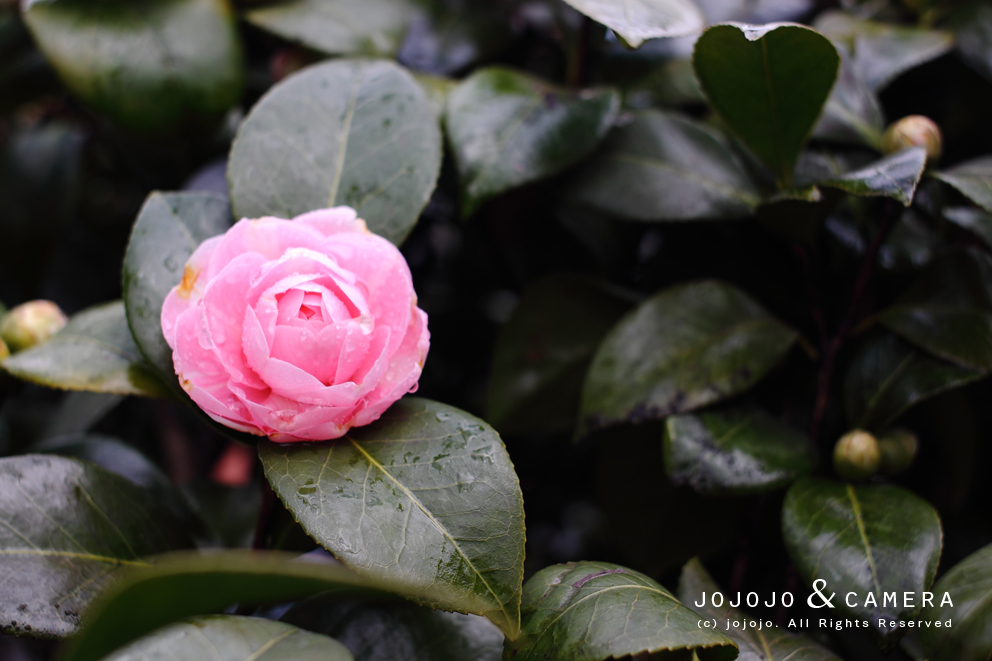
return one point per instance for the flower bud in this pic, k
(856, 455)
(898, 448)
(4, 351)
(914, 131)
(30, 323)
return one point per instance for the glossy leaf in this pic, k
(973, 34)
(973, 178)
(148, 65)
(869, 540)
(663, 166)
(948, 309)
(685, 347)
(853, 113)
(360, 133)
(369, 27)
(94, 352)
(976, 221)
(232, 638)
(67, 529)
(887, 376)
(544, 350)
(735, 451)
(765, 644)
(969, 584)
(378, 631)
(593, 611)
(508, 129)
(424, 500)
(638, 20)
(793, 66)
(895, 176)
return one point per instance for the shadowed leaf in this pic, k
(969, 585)
(973, 178)
(894, 176)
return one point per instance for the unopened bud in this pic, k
(898, 448)
(4, 351)
(914, 131)
(856, 455)
(30, 323)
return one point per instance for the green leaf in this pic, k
(360, 133)
(895, 176)
(635, 21)
(853, 113)
(671, 83)
(948, 309)
(232, 638)
(663, 166)
(437, 89)
(424, 500)
(148, 65)
(543, 352)
(869, 540)
(973, 179)
(735, 451)
(973, 34)
(976, 221)
(449, 37)
(969, 585)
(508, 129)
(593, 611)
(181, 585)
(378, 631)
(94, 352)
(755, 645)
(769, 84)
(370, 27)
(883, 51)
(67, 529)
(79, 411)
(685, 347)
(887, 376)
(230, 512)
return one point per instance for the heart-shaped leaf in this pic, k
(853, 113)
(369, 27)
(769, 84)
(895, 176)
(663, 166)
(948, 309)
(869, 540)
(764, 644)
(544, 350)
(67, 529)
(148, 65)
(735, 451)
(360, 133)
(508, 129)
(593, 611)
(685, 347)
(969, 586)
(424, 500)
(887, 376)
(638, 20)
(232, 638)
(973, 178)
(94, 352)
(378, 631)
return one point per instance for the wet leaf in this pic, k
(148, 65)
(593, 611)
(794, 64)
(734, 451)
(853, 113)
(895, 176)
(67, 529)
(665, 167)
(360, 133)
(887, 376)
(969, 584)
(766, 644)
(685, 347)
(544, 350)
(94, 352)
(232, 638)
(869, 540)
(973, 179)
(425, 500)
(508, 129)
(948, 309)
(638, 20)
(369, 27)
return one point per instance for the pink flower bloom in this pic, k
(296, 329)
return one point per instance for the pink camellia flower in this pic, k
(296, 329)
